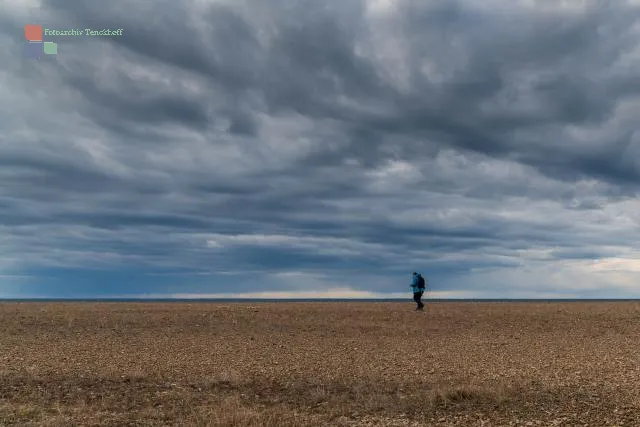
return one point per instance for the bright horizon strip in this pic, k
(337, 293)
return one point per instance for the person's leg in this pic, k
(420, 300)
(416, 298)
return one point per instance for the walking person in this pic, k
(418, 284)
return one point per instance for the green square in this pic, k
(50, 48)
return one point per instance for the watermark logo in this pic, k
(36, 47)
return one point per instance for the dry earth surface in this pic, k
(339, 364)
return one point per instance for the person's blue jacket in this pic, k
(414, 283)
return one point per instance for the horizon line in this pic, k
(310, 299)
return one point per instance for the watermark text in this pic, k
(84, 32)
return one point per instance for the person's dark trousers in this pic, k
(417, 297)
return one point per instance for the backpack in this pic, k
(421, 282)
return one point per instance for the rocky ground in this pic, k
(297, 364)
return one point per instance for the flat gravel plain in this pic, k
(314, 364)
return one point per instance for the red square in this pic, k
(33, 33)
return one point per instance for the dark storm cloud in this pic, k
(141, 104)
(352, 142)
(307, 63)
(38, 170)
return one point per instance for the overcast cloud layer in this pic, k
(323, 147)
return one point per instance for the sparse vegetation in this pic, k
(297, 364)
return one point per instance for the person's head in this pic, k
(415, 274)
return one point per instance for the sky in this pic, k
(321, 148)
